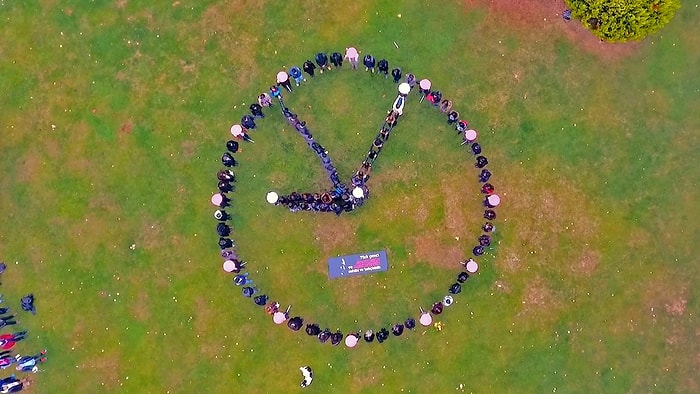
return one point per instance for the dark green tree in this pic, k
(623, 20)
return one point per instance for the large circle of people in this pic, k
(343, 197)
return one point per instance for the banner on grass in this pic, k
(357, 264)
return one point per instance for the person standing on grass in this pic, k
(322, 61)
(265, 100)
(353, 57)
(295, 72)
(411, 80)
(383, 67)
(396, 74)
(256, 110)
(337, 59)
(248, 122)
(452, 117)
(369, 62)
(7, 321)
(309, 67)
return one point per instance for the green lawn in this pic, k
(115, 115)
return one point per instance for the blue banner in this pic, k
(357, 264)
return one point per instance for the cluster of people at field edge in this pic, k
(340, 198)
(8, 341)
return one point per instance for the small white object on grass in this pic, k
(395, 44)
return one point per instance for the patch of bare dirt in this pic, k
(509, 262)
(331, 235)
(501, 286)
(543, 17)
(430, 248)
(537, 296)
(587, 264)
(677, 306)
(140, 307)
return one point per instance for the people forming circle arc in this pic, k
(343, 196)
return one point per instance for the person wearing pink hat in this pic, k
(353, 57)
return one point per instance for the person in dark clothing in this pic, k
(226, 175)
(487, 188)
(481, 162)
(322, 61)
(256, 110)
(397, 329)
(337, 59)
(437, 308)
(369, 62)
(369, 336)
(309, 67)
(225, 187)
(232, 146)
(324, 335)
(485, 240)
(410, 323)
(249, 291)
(396, 74)
(248, 122)
(489, 227)
(260, 300)
(382, 335)
(462, 126)
(313, 329)
(383, 67)
(489, 214)
(452, 117)
(4, 310)
(7, 321)
(228, 160)
(462, 277)
(225, 243)
(484, 176)
(478, 250)
(476, 148)
(223, 229)
(336, 338)
(456, 288)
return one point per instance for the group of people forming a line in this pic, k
(341, 198)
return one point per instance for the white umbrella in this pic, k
(351, 53)
(282, 76)
(472, 266)
(404, 88)
(351, 340)
(217, 199)
(237, 130)
(470, 135)
(279, 317)
(425, 318)
(425, 84)
(494, 200)
(358, 192)
(229, 266)
(272, 197)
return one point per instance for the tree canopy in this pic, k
(624, 20)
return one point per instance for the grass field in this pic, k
(114, 117)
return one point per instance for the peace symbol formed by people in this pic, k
(343, 196)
